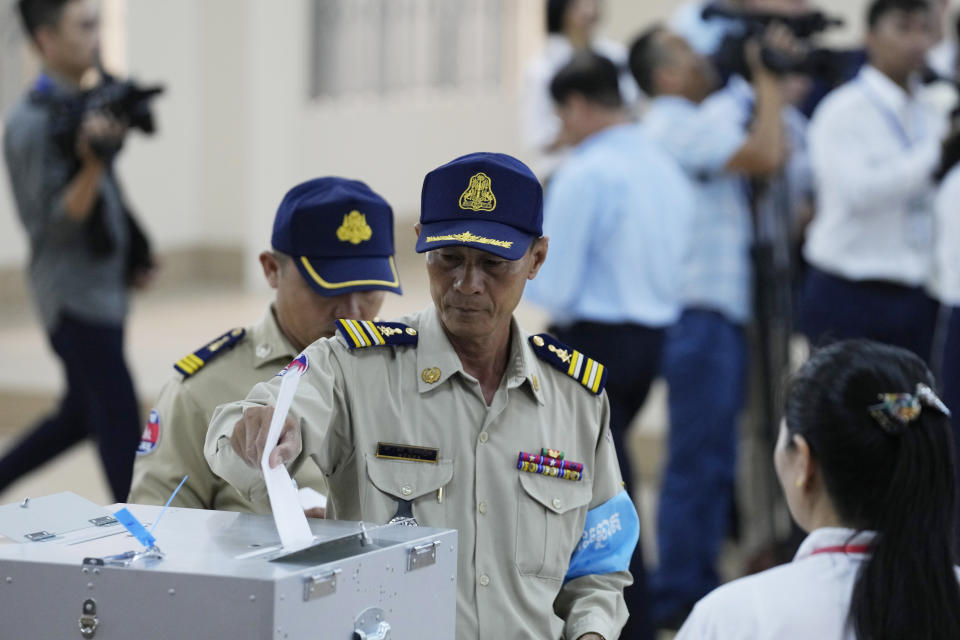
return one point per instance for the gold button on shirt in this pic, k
(184, 409)
(517, 530)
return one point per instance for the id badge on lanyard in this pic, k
(918, 221)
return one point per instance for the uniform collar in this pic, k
(886, 89)
(269, 343)
(434, 351)
(827, 537)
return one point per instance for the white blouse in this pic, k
(808, 598)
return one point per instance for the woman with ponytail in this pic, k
(865, 458)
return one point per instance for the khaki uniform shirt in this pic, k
(184, 409)
(517, 530)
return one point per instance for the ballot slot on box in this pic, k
(220, 574)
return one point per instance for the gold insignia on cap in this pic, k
(537, 340)
(479, 194)
(411, 331)
(430, 375)
(354, 228)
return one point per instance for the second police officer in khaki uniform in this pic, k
(332, 258)
(458, 418)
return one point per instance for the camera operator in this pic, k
(874, 146)
(85, 249)
(735, 134)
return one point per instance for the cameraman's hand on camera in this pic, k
(777, 43)
(765, 150)
(99, 130)
(99, 138)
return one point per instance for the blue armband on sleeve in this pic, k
(610, 535)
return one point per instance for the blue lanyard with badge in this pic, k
(918, 222)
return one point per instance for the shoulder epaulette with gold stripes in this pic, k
(189, 365)
(582, 368)
(367, 333)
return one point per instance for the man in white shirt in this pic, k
(874, 145)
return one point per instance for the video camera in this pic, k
(122, 99)
(731, 58)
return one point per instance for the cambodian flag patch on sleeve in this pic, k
(610, 535)
(300, 364)
(151, 434)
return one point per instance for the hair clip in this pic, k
(895, 411)
(928, 397)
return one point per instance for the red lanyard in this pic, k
(846, 548)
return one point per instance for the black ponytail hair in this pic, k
(900, 485)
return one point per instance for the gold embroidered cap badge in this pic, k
(354, 228)
(478, 195)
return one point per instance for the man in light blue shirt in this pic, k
(618, 215)
(719, 140)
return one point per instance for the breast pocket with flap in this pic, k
(394, 480)
(550, 517)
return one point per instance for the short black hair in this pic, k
(556, 9)
(880, 8)
(591, 75)
(645, 56)
(40, 13)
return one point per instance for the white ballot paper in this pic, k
(284, 500)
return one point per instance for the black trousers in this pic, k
(834, 308)
(100, 402)
(631, 353)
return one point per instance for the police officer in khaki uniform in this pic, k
(332, 258)
(457, 418)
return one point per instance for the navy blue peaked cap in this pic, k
(487, 201)
(340, 234)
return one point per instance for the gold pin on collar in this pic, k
(430, 375)
(537, 340)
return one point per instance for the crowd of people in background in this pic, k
(837, 162)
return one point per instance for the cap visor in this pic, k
(493, 237)
(337, 276)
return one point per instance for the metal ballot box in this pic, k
(222, 575)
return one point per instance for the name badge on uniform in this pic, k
(408, 452)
